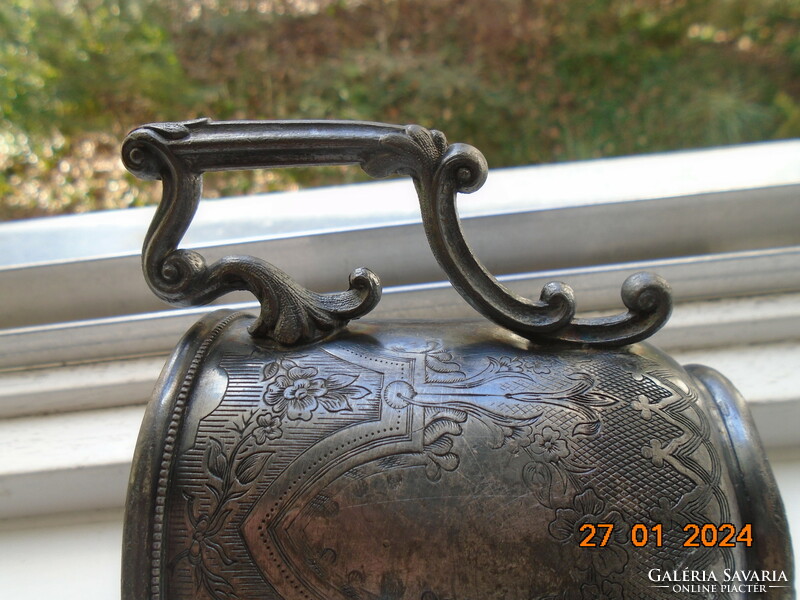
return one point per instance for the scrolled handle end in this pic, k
(140, 157)
(646, 292)
(467, 167)
(368, 285)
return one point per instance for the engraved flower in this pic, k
(537, 367)
(295, 392)
(269, 428)
(666, 514)
(655, 452)
(507, 364)
(607, 590)
(203, 547)
(518, 439)
(198, 541)
(642, 404)
(548, 445)
(587, 508)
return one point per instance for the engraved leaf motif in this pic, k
(340, 380)
(218, 586)
(442, 362)
(335, 402)
(438, 463)
(250, 467)
(438, 428)
(441, 446)
(444, 369)
(596, 398)
(215, 458)
(214, 491)
(356, 392)
(270, 370)
(452, 414)
(587, 429)
(539, 479)
(432, 471)
(448, 462)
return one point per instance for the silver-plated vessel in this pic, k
(290, 456)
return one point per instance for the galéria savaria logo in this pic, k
(727, 581)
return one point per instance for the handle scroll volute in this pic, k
(179, 153)
(448, 170)
(646, 296)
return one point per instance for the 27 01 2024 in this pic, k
(597, 535)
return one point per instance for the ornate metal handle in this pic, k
(179, 153)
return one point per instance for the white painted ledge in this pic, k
(73, 556)
(66, 462)
(727, 276)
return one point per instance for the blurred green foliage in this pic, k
(526, 81)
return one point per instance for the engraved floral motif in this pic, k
(552, 468)
(440, 366)
(437, 441)
(515, 364)
(642, 404)
(656, 453)
(297, 392)
(588, 508)
(666, 514)
(507, 364)
(232, 469)
(519, 439)
(549, 446)
(512, 425)
(269, 428)
(607, 590)
(541, 422)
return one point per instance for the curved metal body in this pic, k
(407, 461)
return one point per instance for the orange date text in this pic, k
(695, 535)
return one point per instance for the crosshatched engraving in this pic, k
(419, 465)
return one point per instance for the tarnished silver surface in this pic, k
(449, 461)
(285, 457)
(179, 154)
